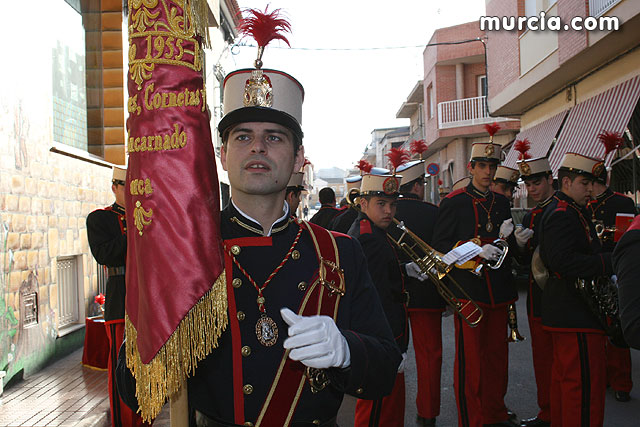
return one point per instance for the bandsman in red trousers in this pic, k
(378, 198)
(107, 235)
(425, 303)
(571, 250)
(475, 213)
(538, 179)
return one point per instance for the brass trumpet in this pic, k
(494, 265)
(601, 229)
(514, 334)
(430, 262)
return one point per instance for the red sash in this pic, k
(321, 298)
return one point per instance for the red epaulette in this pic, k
(455, 193)
(562, 206)
(339, 234)
(635, 225)
(365, 227)
(623, 195)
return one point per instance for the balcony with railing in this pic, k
(465, 112)
(599, 7)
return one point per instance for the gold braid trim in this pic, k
(195, 337)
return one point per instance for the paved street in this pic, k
(521, 396)
(63, 394)
(68, 394)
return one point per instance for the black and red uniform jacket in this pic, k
(384, 268)
(107, 236)
(531, 220)
(462, 216)
(605, 207)
(570, 249)
(419, 217)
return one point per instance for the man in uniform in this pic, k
(107, 235)
(378, 198)
(305, 322)
(538, 179)
(425, 303)
(604, 208)
(505, 181)
(294, 190)
(343, 220)
(481, 365)
(328, 208)
(570, 249)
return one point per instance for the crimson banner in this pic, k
(176, 295)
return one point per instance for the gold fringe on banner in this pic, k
(199, 15)
(195, 337)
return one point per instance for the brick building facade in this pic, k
(453, 104)
(547, 78)
(62, 128)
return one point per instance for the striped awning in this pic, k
(540, 136)
(609, 110)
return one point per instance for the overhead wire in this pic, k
(315, 49)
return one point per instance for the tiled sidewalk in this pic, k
(63, 394)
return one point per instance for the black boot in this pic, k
(535, 422)
(622, 396)
(425, 422)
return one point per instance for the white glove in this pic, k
(522, 235)
(315, 341)
(614, 280)
(506, 228)
(414, 271)
(402, 363)
(490, 252)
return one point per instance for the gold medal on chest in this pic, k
(489, 227)
(266, 331)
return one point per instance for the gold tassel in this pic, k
(199, 16)
(195, 337)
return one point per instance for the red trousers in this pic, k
(542, 351)
(578, 379)
(387, 412)
(121, 414)
(426, 336)
(481, 369)
(619, 368)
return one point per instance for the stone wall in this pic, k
(45, 197)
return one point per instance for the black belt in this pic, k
(115, 271)
(203, 420)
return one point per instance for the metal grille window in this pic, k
(30, 310)
(68, 310)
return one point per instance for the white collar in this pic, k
(285, 213)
